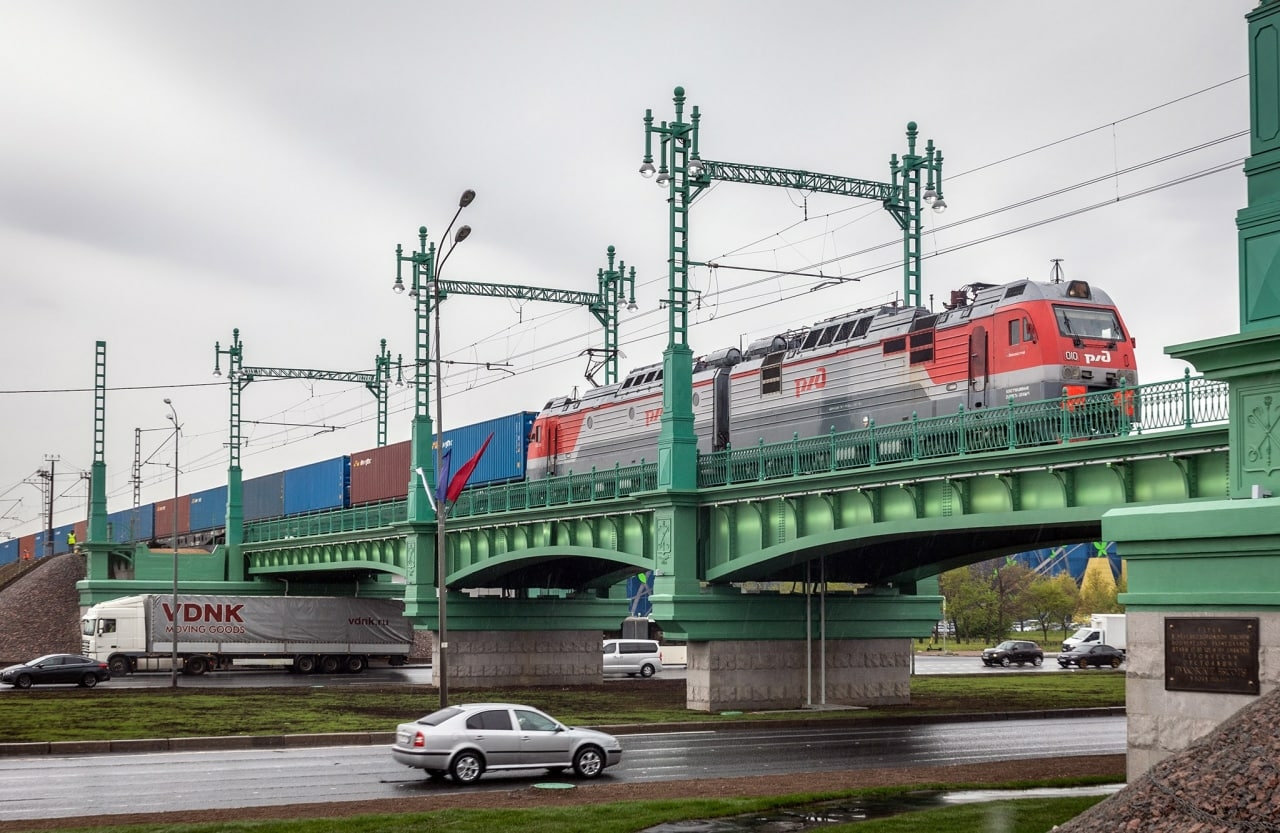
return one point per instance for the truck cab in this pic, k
(113, 634)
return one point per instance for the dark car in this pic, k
(56, 668)
(1012, 651)
(1095, 655)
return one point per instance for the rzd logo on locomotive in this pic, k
(815, 382)
(652, 415)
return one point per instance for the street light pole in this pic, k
(173, 415)
(427, 292)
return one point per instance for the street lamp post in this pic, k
(173, 416)
(427, 292)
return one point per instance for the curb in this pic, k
(306, 741)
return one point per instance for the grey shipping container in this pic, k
(317, 486)
(209, 509)
(263, 497)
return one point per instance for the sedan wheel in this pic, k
(467, 768)
(23, 681)
(1082, 662)
(589, 762)
(1115, 662)
(88, 681)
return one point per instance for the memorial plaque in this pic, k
(1211, 654)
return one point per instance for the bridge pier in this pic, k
(785, 674)
(778, 650)
(493, 659)
(496, 641)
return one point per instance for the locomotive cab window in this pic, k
(1020, 331)
(1082, 322)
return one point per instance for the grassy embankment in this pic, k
(105, 714)
(1009, 816)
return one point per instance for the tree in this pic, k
(1011, 581)
(971, 602)
(1052, 599)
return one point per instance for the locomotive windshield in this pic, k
(1084, 322)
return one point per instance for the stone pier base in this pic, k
(775, 674)
(490, 659)
(1163, 722)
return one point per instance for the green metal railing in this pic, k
(1119, 412)
(594, 485)
(373, 516)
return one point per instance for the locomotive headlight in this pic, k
(1070, 372)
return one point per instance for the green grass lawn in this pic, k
(106, 714)
(1012, 816)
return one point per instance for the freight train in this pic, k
(992, 345)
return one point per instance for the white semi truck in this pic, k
(1103, 629)
(305, 633)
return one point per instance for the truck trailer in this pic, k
(1103, 629)
(304, 633)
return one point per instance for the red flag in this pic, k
(459, 481)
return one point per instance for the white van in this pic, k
(632, 657)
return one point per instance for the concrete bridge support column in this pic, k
(549, 640)
(492, 659)
(765, 650)
(760, 674)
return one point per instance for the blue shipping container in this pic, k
(504, 459)
(264, 497)
(8, 551)
(128, 526)
(60, 534)
(319, 486)
(209, 509)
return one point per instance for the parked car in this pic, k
(1013, 651)
(632, 657)
(468, 740)
(56, 668)
(1095, 655)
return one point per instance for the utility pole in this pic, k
(47, 476)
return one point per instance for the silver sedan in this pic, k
(468, 740)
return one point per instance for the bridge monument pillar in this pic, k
(1203, 605)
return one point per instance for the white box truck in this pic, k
(306, 633)
(1103, 629)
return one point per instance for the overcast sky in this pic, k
(170, 171)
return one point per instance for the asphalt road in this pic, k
(925, 664)
(49, 786)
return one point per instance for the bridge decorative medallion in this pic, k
(1261, 432)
